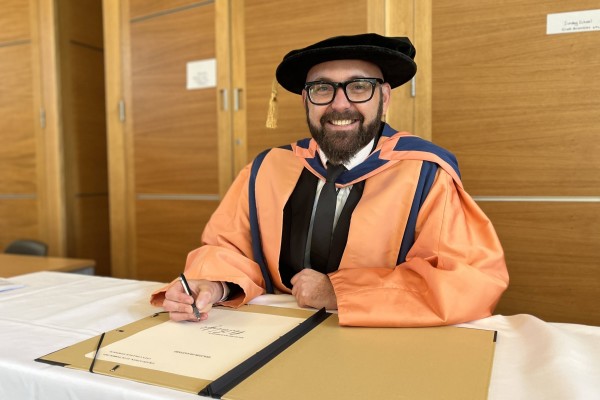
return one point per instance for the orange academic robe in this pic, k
(454, 271)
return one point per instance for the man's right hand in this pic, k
(204, 294)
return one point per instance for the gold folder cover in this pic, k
(332, 362)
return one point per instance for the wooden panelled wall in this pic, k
(513, 103)
(518, 107)
(521, 110)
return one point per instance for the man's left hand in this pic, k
(313, 289)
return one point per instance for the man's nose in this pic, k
(340, 101)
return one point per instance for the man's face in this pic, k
(342, 128)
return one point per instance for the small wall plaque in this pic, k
(573, 22)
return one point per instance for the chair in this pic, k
(27, 247)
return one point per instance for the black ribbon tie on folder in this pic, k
(229, 380)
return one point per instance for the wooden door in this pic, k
(83, 115)
(264, 31)
(31, 194)
(521, 110)
(18, 202)
(163, 137)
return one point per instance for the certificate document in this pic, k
(203, 350)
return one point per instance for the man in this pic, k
(409, 247)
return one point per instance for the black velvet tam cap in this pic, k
(394, 56)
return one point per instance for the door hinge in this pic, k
(122, 110)
(43, 118)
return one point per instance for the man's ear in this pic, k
(386, 95)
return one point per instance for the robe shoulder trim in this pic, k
(392, 148)
(257, 251)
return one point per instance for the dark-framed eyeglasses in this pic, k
(359, 90)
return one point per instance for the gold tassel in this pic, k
(272, 113)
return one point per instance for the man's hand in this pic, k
(179, 304)
(313, 289)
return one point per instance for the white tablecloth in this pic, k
(533, 359)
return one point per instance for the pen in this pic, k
(188, 291)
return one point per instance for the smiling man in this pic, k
(352, 120)
(361, 218)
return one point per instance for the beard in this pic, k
(340, 147)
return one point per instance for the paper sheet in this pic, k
(203, 350)
(6, 285)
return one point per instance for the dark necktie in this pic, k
(323, 222)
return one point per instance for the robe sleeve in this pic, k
(226, 251)
(455, 271)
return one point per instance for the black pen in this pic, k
(188, 291)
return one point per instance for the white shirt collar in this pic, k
(358, 158)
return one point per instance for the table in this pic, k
(533, 359)
(17, 264)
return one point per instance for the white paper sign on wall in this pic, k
(573, 22)
(201, 74)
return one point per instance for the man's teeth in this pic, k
(341, 122)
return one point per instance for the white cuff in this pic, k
(225, 292)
